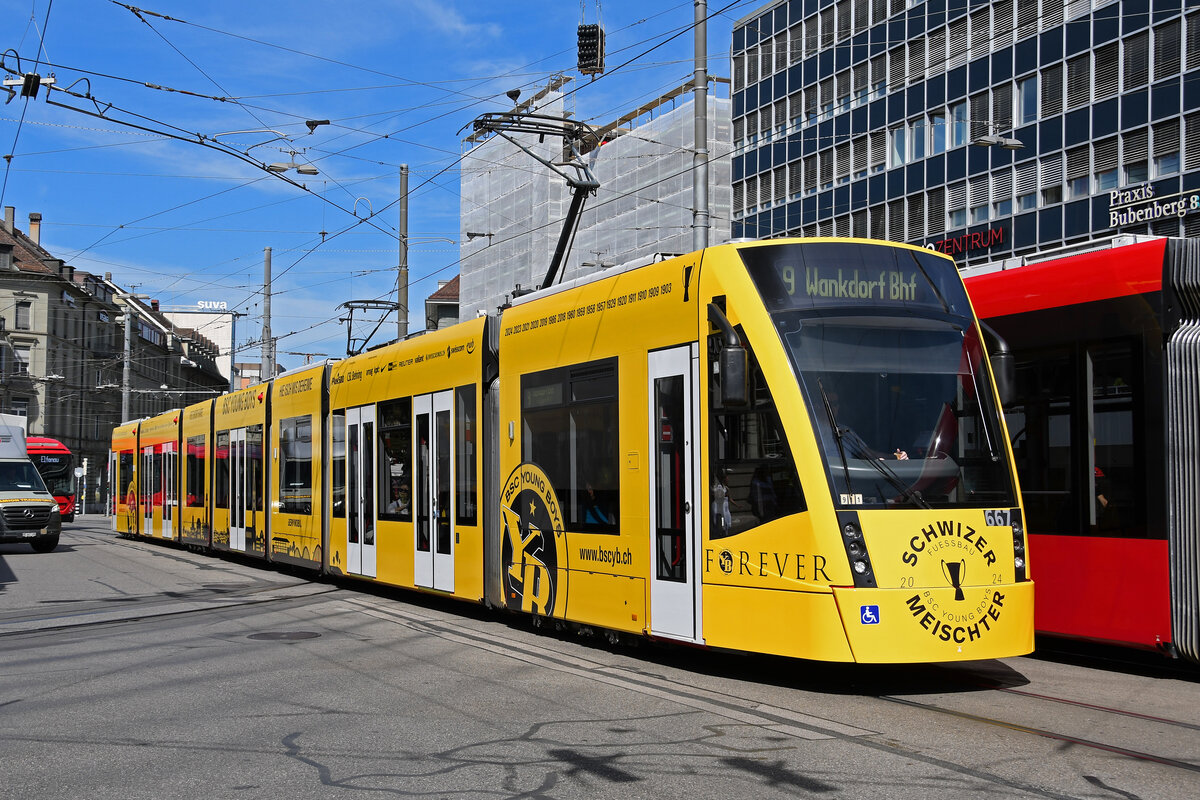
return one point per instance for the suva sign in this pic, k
(212, 305)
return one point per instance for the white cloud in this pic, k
(446, 19)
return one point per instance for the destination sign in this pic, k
(882, 285)
(819, 274)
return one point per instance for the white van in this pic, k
(28, 512)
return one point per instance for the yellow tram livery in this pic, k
(791, 446)
(158, 475)
(298, 408)
(405, 464)
(239, 519)
(196, 444)
(123, 478)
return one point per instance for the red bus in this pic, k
(56, 464)
(1105, 427)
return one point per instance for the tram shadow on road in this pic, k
(812, 676)
(1115, 658)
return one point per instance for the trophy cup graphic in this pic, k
(955, 573)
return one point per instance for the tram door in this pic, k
(433, 492)
(360, 490)
(170, 489)
(239, 489)
(674, 602)
(149, 488)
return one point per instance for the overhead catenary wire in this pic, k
(432, 181)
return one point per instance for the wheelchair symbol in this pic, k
(869, 615)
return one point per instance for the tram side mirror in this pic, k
(731, 362)
(734, 380)
(1004, 370)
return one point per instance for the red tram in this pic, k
(1105, 428)
(56, 464)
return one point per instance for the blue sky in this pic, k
(187, 218)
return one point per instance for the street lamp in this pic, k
(303, 169)
(993, 138)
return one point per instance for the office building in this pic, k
(982, 129)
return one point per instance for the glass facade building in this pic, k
(901, 120)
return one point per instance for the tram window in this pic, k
(337, 462)
(1115, 484)
(254, 458)
(753, 478)
(569, 416)
(368, 479)
(1040, 425)
(125, 471)
(221, 471)
(465, 507)
(395, 459)
(295, 465)
(156, 477)
(196, 455)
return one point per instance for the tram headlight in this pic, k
(850, 530)
(1019, 562)
(860, 567)
(854, 549)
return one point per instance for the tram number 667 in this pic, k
(995, 517)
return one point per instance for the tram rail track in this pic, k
(746, 706)
(1062, 737)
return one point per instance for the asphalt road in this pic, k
(130, 670)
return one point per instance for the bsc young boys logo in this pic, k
(533, 532)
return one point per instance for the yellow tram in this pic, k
(790, 447)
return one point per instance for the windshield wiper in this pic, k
(910, 494)
(983, 417)
(837, 434)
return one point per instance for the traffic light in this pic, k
(591, 49)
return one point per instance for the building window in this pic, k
(979, 214)
(1106, 180)
(918, 139)
(1078, 187)
(22, 352)
(958, 113)
(896, 149)
(1052, 194)
(1027, 94)
(1166, 164)
(938, 133)
(1027, 202)
(958, 218)
(24, 315)
(1003, 208)
(1137, 172)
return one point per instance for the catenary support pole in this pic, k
(700, 220)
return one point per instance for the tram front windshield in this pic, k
(904, 410)
(885, 345)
